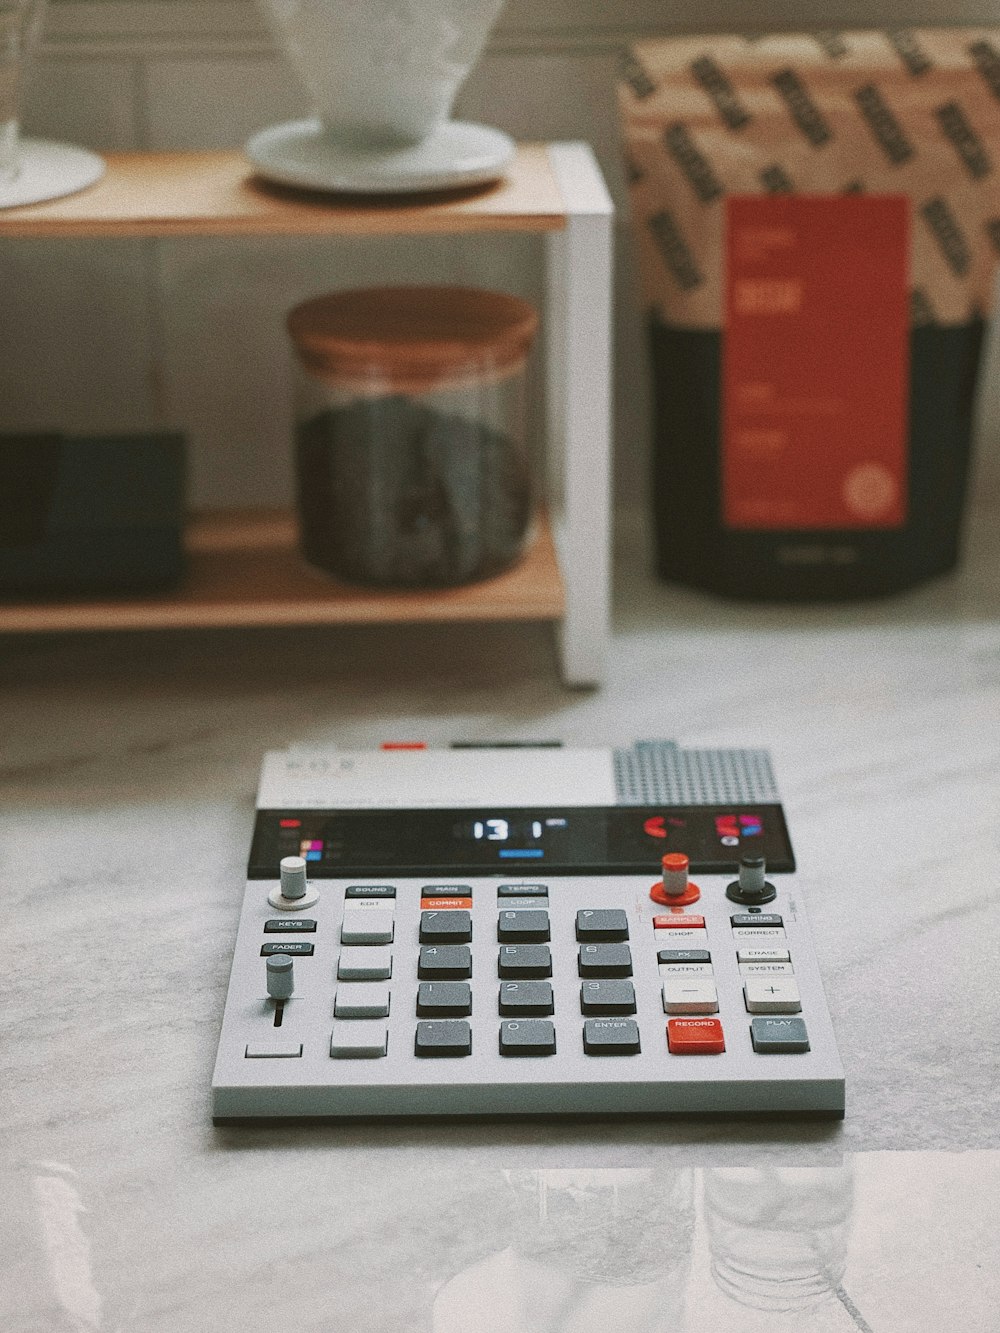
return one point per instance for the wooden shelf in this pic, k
(217, 194)
(245, 570)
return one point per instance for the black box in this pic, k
(90, 514)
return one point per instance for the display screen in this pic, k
(564, 841)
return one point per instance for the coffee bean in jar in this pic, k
(411, 465)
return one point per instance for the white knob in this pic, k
(293, 877)
(280, 976)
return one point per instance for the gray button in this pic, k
(527, 1036)
(444, 962)
(611, 1036)
(529, 999)
(525, 960)
(445, 1037)
(683, 956)
(289, 925)
(599, 925)
(444, 999)
(299, 948)
(779, 1036)
(370, 891)
(607, 997)
(756, 919)
(605, 960)
(446, 891)
(518, 926)
(522, 891)
(449, 926)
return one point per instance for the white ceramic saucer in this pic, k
(48, 171)
(458, 153)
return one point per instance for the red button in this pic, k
(695, 1036)
(404, 745)
(444, 904)
(678, 922)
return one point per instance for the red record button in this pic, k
(677, 922)
(695, 1036)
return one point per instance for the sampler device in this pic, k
(488, 930)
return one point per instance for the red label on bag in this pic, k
(816, 360)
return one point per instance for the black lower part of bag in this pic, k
(694, 546)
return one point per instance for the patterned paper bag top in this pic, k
(914, 113)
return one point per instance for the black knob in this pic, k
(751, 887)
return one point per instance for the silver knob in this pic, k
(280, 976)
(752, 870)
(293, 877)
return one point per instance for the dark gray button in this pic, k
(445, 962)
(522, 890)
(611, 1036)
(601, 925)
(756, 919)
(528, 1036)
(525, 960)
(446, 1036)
(531, 999)
(522, 927)
(446, 891)
(449, 926)
(605, 960)
(444, 999)
(607, 997)
(293, 925)
(370, 891)
(779, 1036)
(683, 956)
(298, 947)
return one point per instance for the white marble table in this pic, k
(128, 771)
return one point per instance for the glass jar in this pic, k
(411, 464)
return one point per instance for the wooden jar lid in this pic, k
(412, 339)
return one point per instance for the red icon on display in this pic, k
(730, 828)
(656, 826)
